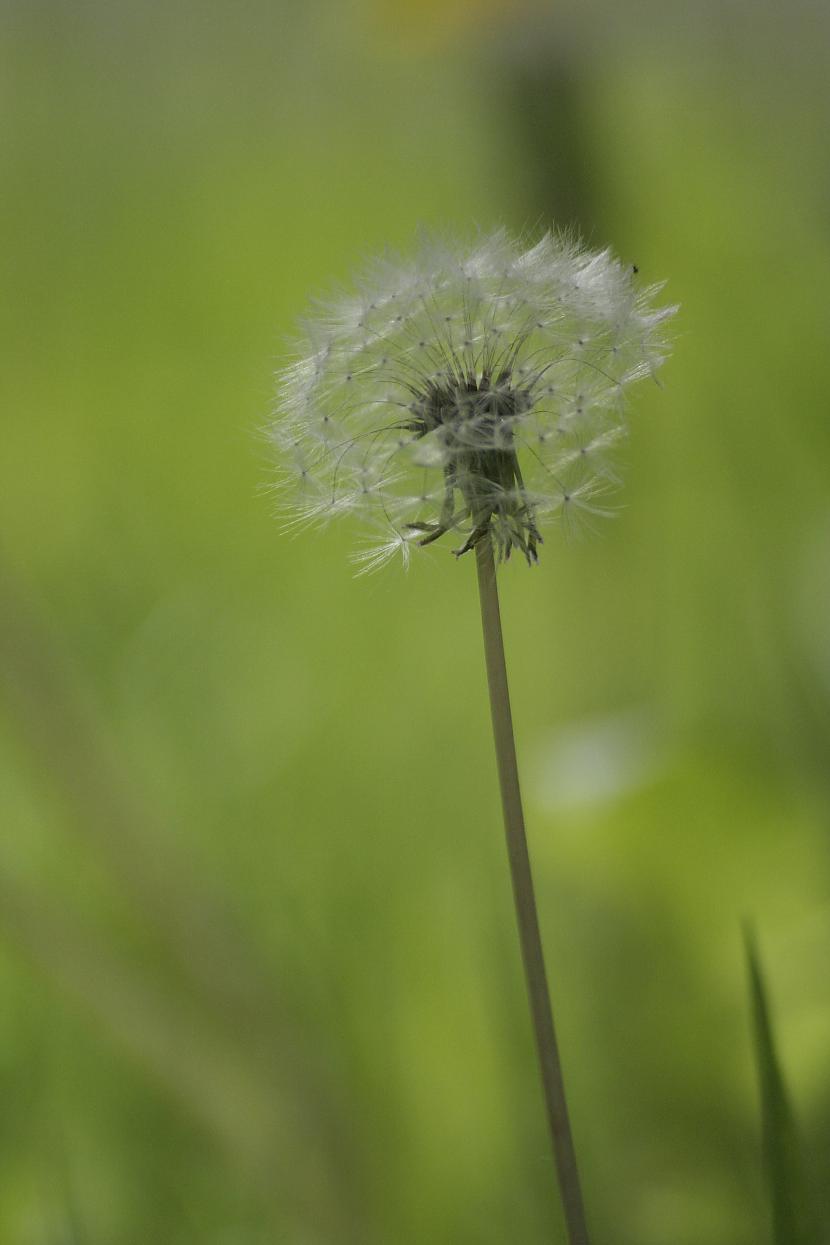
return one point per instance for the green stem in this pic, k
(525, 900)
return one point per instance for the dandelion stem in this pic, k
(525, 900)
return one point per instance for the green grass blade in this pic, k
(792, 1222)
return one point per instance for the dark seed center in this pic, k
(474, 410)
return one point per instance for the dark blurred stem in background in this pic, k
(546, 91)
(525, 900)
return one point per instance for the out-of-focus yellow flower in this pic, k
(423, 25)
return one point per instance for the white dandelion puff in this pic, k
(466, 392)
(474, 394)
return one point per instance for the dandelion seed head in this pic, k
(466, 391)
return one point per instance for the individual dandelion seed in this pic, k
(469, 392)
(474, 392)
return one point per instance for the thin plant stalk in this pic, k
(525, 900)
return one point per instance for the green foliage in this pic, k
(258, 970)
(792, 1217)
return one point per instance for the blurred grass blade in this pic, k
(64, 729)
(792, 1222)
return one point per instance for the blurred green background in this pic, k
(259, 979)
